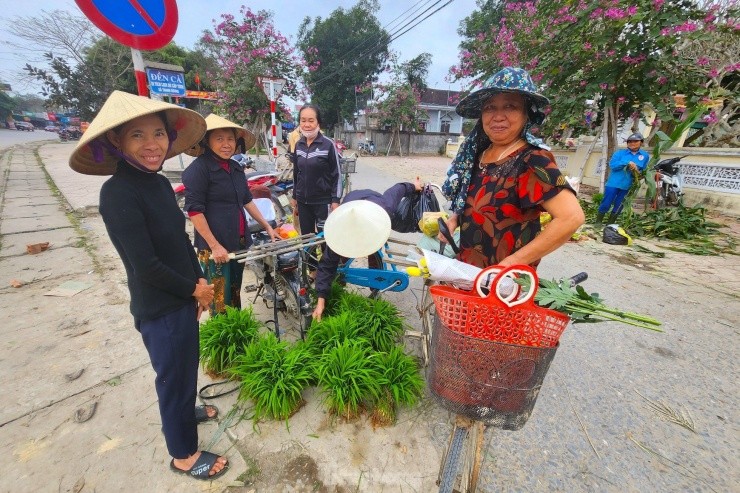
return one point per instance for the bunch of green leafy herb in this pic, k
(274, 375)
(584, 307)
(334, 330)
(401, 383)
(223, 337)
(348, 378)
(379, 320)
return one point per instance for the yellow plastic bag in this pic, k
(428, 223)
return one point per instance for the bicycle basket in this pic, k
(511, 319)
(348, 165)
(487, 381)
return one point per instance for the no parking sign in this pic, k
(140, 24)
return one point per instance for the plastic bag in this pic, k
(428, 224)
(404, 220)
(427, 203)
(614, 235)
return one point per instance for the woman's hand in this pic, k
(219, 254)
(273, 234)
(294, 206)
(333, 206)
(319, 310)
(203, 293)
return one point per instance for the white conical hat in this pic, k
(122, 107)
(357, 228)
(212, 123)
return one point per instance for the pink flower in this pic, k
(662, 80)
(603, 86)
(586, 46)
(702, 61)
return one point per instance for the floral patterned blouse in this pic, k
(504, 201)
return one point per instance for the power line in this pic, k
(393, 36)
(369, 40)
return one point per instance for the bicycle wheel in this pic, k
(465, 449)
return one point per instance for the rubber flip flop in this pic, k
(202, 467)
(201, 413)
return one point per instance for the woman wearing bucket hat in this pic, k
(503, 177)
(130, 138)
(623, 165)
(216, 196)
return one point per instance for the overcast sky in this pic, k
(436, 35)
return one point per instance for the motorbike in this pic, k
(341, 146)
(281, 282)
(367, 148)
(69, 134)
(668, 183)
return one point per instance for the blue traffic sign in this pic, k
(140, 24)
(166, 82)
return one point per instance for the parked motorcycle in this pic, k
(668, 183)
(69, 134)
(281, 283)
(341, 147)
(367, 148)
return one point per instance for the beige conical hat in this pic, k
(122, 107)
(212, 123)
(357, 228)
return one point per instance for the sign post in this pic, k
(148, 25)
(272, 87)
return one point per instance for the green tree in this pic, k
(415, 71)
(7, 105)
(398, 106)
(622, 54)
(343, 53)
(245, 49)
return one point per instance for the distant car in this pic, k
(51, 128)
(24, 126)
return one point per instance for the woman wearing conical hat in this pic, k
(216, 196)
(130, 138)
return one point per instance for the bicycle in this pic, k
(348, 166)
(488, 375)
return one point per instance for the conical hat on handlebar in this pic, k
(214, 122)
(357, 228)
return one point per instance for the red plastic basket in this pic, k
(512, 319)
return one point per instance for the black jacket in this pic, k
(148, 230)
(316, 171)
(221, 196)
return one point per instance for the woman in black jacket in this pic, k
(317, 187)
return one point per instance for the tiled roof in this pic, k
(440, 97)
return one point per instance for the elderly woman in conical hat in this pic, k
(130, 138)
(216, 196)
(503, 178)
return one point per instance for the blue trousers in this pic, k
(613, 198)
(172, 343)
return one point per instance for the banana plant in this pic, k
(664, 143)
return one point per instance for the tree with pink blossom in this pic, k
(248, 46)
(621, 54)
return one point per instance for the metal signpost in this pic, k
(272, 87)
(139, 24)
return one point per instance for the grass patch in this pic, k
(226, 336)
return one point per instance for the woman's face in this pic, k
(144, 139)
(309, 121)
(503, 117)
(222, 142)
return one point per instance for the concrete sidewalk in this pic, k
(64, 358)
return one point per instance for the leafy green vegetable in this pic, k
(584, 307)
(225, 336)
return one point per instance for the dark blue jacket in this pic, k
(316, 171)
(221, 196)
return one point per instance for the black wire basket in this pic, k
(348, 165)
(483, 380)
